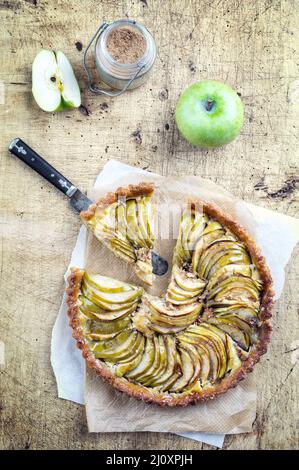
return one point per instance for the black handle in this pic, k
(25, 153)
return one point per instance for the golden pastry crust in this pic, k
(208, 392)
(133, 190)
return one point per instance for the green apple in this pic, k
(54, 85)
(209, 114)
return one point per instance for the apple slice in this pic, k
(166, 329)
(171, 361)
(232, 355)
(187, 338)
(186, 225)
(112, 238)
(243, 325)
(175, 296)
(123, 297)
(107, 284)
(143, 266)
(200, 222)
(235, 281)
(106, 217)
(239, 336)
(132, 347)
(54, 85)
(219, 339)
(174, 288)
(160, 306)
(203, 354)
(237, 292)
(117, 348)
(233, 256)
(144, 219)
(192, 337)
(95, 312)
(236, 297)
(166, 320)
(187, 371)
(176, 299)
(111, 307)
(230, 347)
(132, 363)
(242, 270)
(187, 281)
(146, 361)
(212, 253)
(174, 377)
(178, 302)
(103, 349)
(100, 330)
(195, 358)
(217, 246)
(158, 318)
(213, 358)
(176, 322)
(124, 253)
(212, 231)
(134, 233)
(149, 211)
(249, 315)
(139, 339)
(125, 245)
(149, 371)
(162, 363)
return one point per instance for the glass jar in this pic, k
(115, 74)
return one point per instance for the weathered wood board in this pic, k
(250, 45)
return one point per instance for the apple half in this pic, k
(54, 85)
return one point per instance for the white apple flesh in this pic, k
(54, 85)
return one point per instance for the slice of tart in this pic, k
(124, 222)
(196, 341)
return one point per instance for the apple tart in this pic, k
(199, 339)
(123, 221)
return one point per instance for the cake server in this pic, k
(78, 200)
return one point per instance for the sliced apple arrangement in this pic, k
(199, 339)
(107, 305)
(125, 226)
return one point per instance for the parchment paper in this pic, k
(110, 411)
(235, 411)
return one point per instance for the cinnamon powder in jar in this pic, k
(126, 45)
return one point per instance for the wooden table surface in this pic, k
(248, 44)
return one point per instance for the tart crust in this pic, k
(133, 190)
(208, 392)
